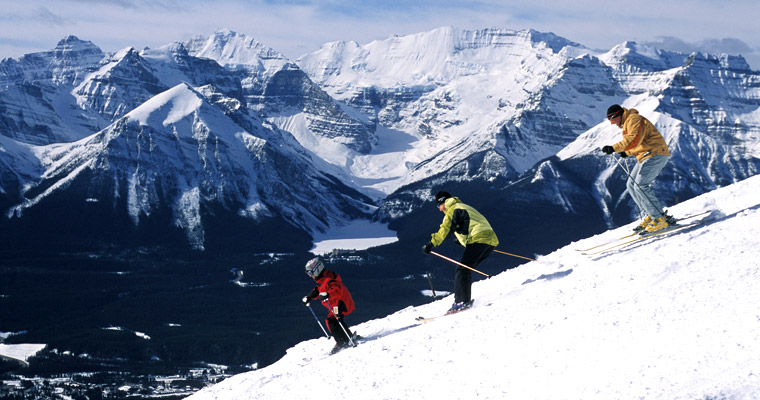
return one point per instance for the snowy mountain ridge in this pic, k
(137, 153)
(387, 121)
(451, 89)
(673, 317)
(518, 96)
(433, 58)
(231, 49)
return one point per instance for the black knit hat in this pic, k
(441, 197)
(614, 111)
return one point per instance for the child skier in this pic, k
(333, 295)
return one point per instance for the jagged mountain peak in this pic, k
(125, 53)
(235, 50)
(734, 63)
(642, 57)
(456, 39)
(553, 41)
(428, 58)
(74, 53)
(123, 59)
(124, 81)
(67, 63)
(73, 43)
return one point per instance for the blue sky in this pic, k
(296, 27)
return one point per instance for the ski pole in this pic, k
(624, 164)
(513, 255)
(637, 184)
(318, 323)
(430, 281)
(459, 264)
(340, 323)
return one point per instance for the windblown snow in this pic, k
(673, 317)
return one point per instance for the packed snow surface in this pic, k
(672, 317)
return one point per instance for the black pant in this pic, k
(473, 255)
(335, 325)
(337, 331)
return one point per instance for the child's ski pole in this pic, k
(318, 323)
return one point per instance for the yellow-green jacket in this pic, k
(468, 225)
(640, 137)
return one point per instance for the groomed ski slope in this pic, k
(676, 317)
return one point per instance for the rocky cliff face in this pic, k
(34, 104)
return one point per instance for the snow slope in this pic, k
(671, 318)
(20, 352)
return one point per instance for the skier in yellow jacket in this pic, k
(473, 232)
(641, 139)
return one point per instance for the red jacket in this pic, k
(331, 283)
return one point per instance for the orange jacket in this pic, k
(640, 137)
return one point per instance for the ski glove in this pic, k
(324, 296)
(622, 154)
(306, 300)
(608, 150)
(427, 248)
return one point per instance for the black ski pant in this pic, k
(473, 255)
(334, 325)
(335, 328)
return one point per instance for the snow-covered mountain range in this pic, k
(190, 139)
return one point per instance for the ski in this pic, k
(585, 251)
(608, 242)
(660, 232)
(426, 320)
(355, 339)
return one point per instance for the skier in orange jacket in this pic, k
(641, 139)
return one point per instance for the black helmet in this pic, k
(314, 267)
(441, 197)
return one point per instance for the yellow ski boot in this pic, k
(643, 225)
(656, 225)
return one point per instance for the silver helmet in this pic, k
(314, 267)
